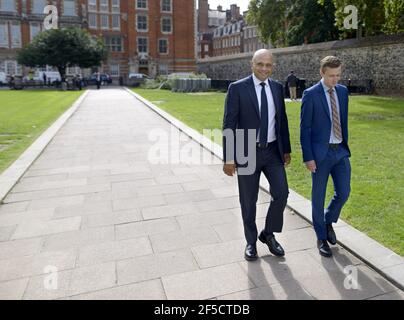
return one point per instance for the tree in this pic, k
(394, 15)
(62, 48)
(311, 22)
(370, 16)
(293, 22)
(270, 17)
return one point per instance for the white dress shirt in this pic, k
(271, 107)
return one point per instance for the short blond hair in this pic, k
(330, 62)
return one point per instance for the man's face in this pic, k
(331, 76)
(262, 66)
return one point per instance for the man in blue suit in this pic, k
(324, 140)
(255, 125)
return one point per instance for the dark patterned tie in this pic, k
(264, 115)
(336, 124)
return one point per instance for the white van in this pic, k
(3, 79)
(50, 75)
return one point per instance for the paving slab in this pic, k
(155, 266)
(207, 283)
(119, 224)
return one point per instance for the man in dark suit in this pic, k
(324, 140)
(292, 82)
(255, 125)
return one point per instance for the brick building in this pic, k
(147, 36)
(225, 32)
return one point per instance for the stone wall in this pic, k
(380, 59)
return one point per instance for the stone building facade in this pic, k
(379, 59)
(147, 36)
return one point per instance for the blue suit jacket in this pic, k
(315, 122)
(242, 112)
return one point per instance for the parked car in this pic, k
(136, 79)
(105, 79)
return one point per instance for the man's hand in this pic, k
(311, 166)
(286, 159)
(229, 169)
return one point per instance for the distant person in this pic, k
(78, 82)
(11, 82)
(44, 79)
(98, 79)
(292, 82)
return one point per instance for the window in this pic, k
(166, 5)
(92, 5)
(3, 34)
(35, 28)
(38, 6)
(142, 45)
(116, 22)
(92, 20)
(206, 48)
(141, 4)
(115, 6)
(15, 35)
(11, 67)
(7, 5)
(114, 70)
(114, 44)
(166, 25)
(104, 6)
(104, 21)
(163, 46)
(73, 70)
(141, 23)
(69, 8)
(163, 68)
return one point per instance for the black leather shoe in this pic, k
(250, 253)
(331, 237)
(324, 248)
(273, 245)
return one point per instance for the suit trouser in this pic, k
(336, 164)
(292, 92)
(269, 162)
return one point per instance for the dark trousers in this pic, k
(270, 163)
(336, 164)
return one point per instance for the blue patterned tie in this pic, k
(264, 116)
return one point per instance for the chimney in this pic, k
(235, 12)
(203, 15)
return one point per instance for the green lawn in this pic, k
(24, 115)
(376, 126)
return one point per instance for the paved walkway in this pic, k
(115, 226)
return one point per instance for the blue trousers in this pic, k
(336, 164)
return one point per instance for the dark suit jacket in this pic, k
(242, 112)
(315, 122)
